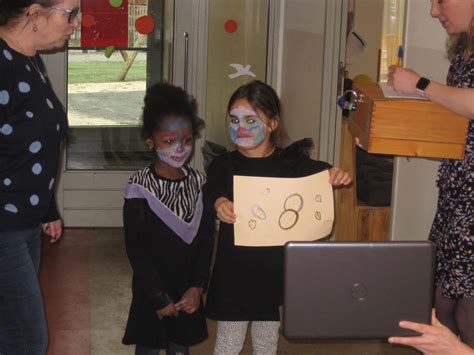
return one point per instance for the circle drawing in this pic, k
(293, 202)
(258, 212)
(252, 224)
(288, 219)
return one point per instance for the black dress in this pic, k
(453, 227)
(169, 243)
(247, 282)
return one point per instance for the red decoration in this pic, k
(231, 26)
(87, 20)
(145, 25)
(110, 25)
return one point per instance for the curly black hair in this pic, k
(163, 100)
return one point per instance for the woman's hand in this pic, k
(225, 210)
(53, 229)
(338, 177)
(435, 339)
(169, 311)
(402, 80)
(190, 301)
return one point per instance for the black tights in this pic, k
(457, 315)
(173, 349)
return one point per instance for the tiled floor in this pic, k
(86, 285)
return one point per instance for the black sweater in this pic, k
(247, 282)
(32, 127)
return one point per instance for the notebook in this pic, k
(356, 289)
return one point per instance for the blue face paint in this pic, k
(175, 142)
(246, 129)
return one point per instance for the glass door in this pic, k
(120, 49)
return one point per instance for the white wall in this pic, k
(414, 195)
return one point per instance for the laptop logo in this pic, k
(359, 292)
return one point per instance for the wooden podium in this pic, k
(406, 127)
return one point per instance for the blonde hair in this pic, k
(462, 42)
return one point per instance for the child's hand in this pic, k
(190, 301)
(338, 177)
(225, 210)
(169, 311)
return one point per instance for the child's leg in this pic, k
(145, 350)
(175, 349)
(230, 337)
(265, 337)
(464, 315)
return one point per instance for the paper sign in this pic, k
(273, 211)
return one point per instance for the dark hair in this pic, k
(13, 9)
(262, 96)
(164, 100)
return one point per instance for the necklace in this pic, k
(37, 68)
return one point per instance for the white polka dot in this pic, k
(11, 208)
(29, 114)
(51, 183)
(37, 169)
(28, 67)
(7, 182)
(4, 97)
(24, 87)
(50, 104)
(35, 147)
(6, 129)
(34, 199)
(57, 127)
(7, 54)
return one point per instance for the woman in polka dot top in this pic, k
(33, 126)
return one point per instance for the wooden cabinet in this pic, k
(355, 221)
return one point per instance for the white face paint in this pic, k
(174, 156)
(246, 128)
(174, 141)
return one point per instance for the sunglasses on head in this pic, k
(72, 13)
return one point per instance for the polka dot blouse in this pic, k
(32, 127)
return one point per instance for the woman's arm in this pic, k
(458, 100)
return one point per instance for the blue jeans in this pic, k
(23, 327)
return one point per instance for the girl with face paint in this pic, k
(246, 283)
(168, 233)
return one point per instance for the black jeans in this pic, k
(23, 327)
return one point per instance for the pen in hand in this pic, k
(399, 56)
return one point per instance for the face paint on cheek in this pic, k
(175, 156)
(243, 134)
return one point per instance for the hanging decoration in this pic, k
(106, 23)
(145, 25)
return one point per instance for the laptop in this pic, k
(356, 289)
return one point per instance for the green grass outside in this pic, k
(102, 72)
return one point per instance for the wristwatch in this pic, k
(421, 86)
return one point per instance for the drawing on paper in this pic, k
(252, 224)
(293, 202)
(258, 212)
(288, 219)
(318, 198)
(317, 215)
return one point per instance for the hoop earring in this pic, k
(35, 29)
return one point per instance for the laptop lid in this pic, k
(356, 290)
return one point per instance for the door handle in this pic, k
(186, 59)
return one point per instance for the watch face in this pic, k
(422, 84)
